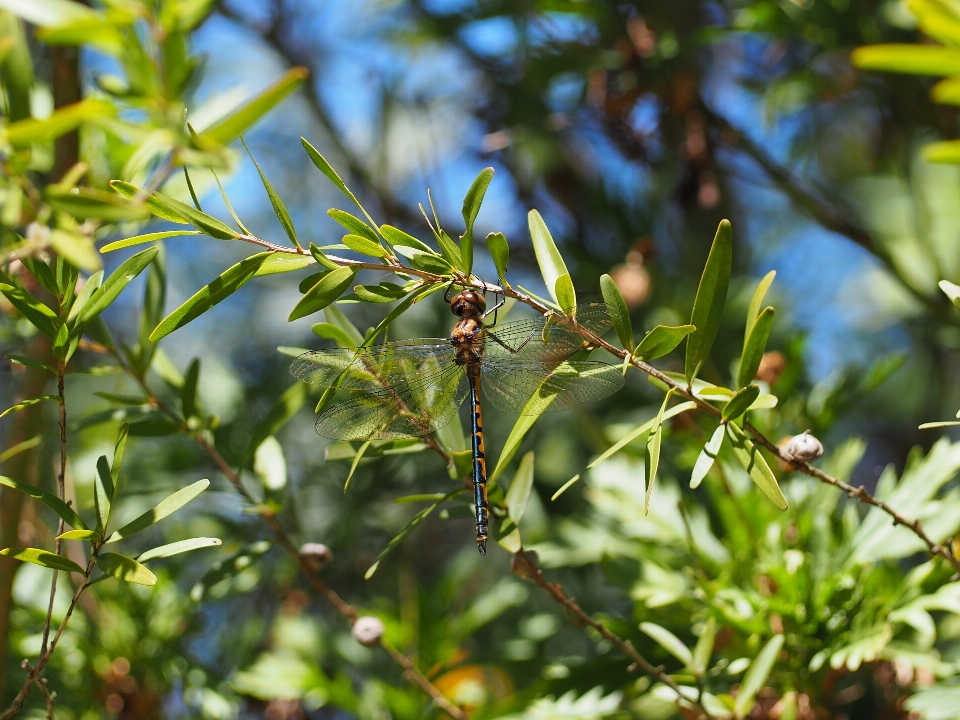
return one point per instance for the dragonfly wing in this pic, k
(545, 339)
(369, 368)
(406, 409)
(534, 388)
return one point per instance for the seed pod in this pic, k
(316, 555)
(368, 630)
(804, 447)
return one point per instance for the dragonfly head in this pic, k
(468, 302)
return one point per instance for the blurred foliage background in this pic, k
(633, 127)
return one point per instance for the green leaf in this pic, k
(425, 261)
(751, 459)
(238, 122)
(155, 425)
(167, 506)
(66, 513)
(85, 202)
(114, 285)
(914, 59)
(325, 292)
(209, 295)
(661, 340)
(364, 246)
(125, 568)
(50, 13)
(669, 642)
(76, 249)
(947, 151)
(283, 215)
(700, 662)
(757, 675)
(519, 492)
(60, 122)
(154, 297)
(361, 451)
(30, 362)
(39, 315)
(43, 558)
(707, 456)
(188, 392)
(395, 236)
(118, 449)
(738, 404)
(383, 293)
(175, 548)
(321, 162)
(286, 406)
(450, 250)
(270, 466)
(624, 441)
(754, 346)
(27, 403)
(329, 331)
(103, 492)
(711, 295)
(336, 317)
(200, 220)
(951, 291)
(85, 535)
(471, 206)
(154, 205)
(566, 295)
(947, 91)
(618, 311)
(551, 263)
(322, 259)
(753, 310)
(499, 250)
(354, 225)
(20, 447)
(149, 237)
(409, 528)
(651, 457)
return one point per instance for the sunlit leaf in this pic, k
(239, 121)
(44, 558)
(165, 507)
(200, 220)
(395, 236)
(757, 675)
(103, 492)
(751, 459)
(27, 403)
(619, 312)
(60, 122)
(283, 215)
(661, 340)
(31, 362)
(754, 346)
(471, 206)
(209, 295)
(125, 568)
(669, 642)
(354, 225)
(323, 293)
(753, 310)
(361, 451)
(114, 285)
(740, 402)
(85, 202)
(700, 662)
(154, 205)
(908, 58)
(651, 458)
(175, 548)
(323, 166)
(66, 513)
(188, 391)
(84, 535)
(499, 250)
(286, 406)
(39, 315)
(364, 246)
(707, 456)
(711, 295)
(551, 263)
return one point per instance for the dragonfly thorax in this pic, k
(468, 303)
(467, 339)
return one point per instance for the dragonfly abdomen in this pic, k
(479, 461)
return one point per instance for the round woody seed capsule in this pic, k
(316, 555)
(804, 447)
(368, 630)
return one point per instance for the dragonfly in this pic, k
(411, 388)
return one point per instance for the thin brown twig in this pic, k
(523, 566)
(413, 674)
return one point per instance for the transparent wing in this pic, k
(544, 339)
(370, 368)
(535, 388)
(405, 409)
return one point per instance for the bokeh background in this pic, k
(634, 128)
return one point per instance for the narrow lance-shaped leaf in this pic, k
(43, 558)
(354, 225)
(757, 675)
(323, 166)
(154, 297)
(238, 122)
(188, 392)
(39, 315)
(31, 362)
(286, 406)
(754, 346)
(661, 340)
(361, 451)
(704, 649)
(904, 58)
(951, 291)
(84, 535)
(740, 402)
(220, 289)
(283, 215)
(471, 206)
(27, 403)
(125, 568)
(410, 527)
(499, 250)
(395, 236)
(551, 263)
(711, 295)
(707, 456)
(751, 459)
(103, 492)
(652, 453)
(364, 246)
(322, 259)
(284, 262)
(336, 317)
(325, 292)
(519, 493)
(200, 220)
(66, 513)
(114, 285)
(153, 204)
(619, 312)
(175, 548)
(669, 642)
(167, 506)
(753, 310)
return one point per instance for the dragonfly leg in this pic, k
(494, 309)
(511, 350)
(479, 461)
